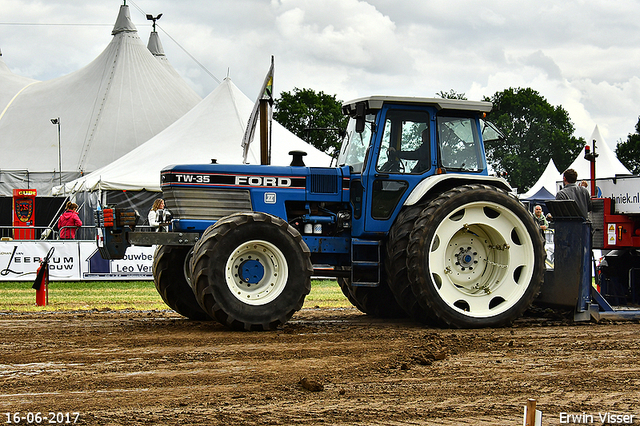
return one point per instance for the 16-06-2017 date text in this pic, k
(37, 418)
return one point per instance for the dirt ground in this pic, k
(326, 366)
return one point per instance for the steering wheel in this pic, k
(394, 163)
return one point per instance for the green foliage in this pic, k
(628, 152)
(451, 94)
(305, 110)
(535, 131)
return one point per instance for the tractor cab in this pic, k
(393, 144)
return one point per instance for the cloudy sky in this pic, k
(583, 55)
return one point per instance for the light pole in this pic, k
(57, 121)
(151, 18)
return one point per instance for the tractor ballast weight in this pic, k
(409, 222)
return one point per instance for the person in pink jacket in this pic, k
(69, 221)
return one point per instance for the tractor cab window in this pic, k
(490, 133)
(406, 143)
(459, 144)
(354, 145)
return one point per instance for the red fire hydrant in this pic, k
(41, 284)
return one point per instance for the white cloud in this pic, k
(583, 55)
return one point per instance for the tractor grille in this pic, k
(206, 204)
(323, 181)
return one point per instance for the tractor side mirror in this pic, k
(360, 117)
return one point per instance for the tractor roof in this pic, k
(376, 102)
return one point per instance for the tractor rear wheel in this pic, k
(251, 271)
(171, 276)
(475, 257)
(396, 265)
(377, 302)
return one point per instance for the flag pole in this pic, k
(261, 109)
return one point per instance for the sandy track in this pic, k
(157, 368)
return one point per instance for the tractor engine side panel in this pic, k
(200, 195)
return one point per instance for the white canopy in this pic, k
(547, 181)
(607, 164)
(211, 130)
(106, 109)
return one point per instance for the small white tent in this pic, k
(547, 181)
(211, 130)
(607, 164)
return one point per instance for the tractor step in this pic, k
(365, 263)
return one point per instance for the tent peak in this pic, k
(123, 22)
(154, 45)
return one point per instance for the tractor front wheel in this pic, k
(251, 271)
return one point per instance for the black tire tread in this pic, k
(396, 265)
(171, 284)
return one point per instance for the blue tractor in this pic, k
(409, 222)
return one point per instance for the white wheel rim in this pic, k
(477, 266)
(259, 289)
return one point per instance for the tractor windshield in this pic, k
(459, 144)
(354, 145)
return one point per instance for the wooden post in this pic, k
(530, 419)
(264, 132)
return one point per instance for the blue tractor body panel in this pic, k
(270, 189)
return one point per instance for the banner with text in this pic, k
(72, 261)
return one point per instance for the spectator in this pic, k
(540, 219)
(156, 215)
(69, 222)
(571, 191)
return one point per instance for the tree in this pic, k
(535, 131)
(315, 117)
(451, 94)
(628, 152)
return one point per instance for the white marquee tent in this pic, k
(607, 165)
(547, 182)
(211, 130)
(10, 85)
(106, 109)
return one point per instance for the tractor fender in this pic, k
(444, 182)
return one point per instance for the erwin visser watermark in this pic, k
(599, 419)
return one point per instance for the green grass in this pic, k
(121, 295)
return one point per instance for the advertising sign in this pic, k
(136, 265)
(624, 191)
(19, 260)
(72, 261)
(23, 213)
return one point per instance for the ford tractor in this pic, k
(409, 222)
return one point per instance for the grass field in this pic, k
(125, 295)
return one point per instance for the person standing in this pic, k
(156, 215)
(540, 219)
(69, 222)
(572, 191)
